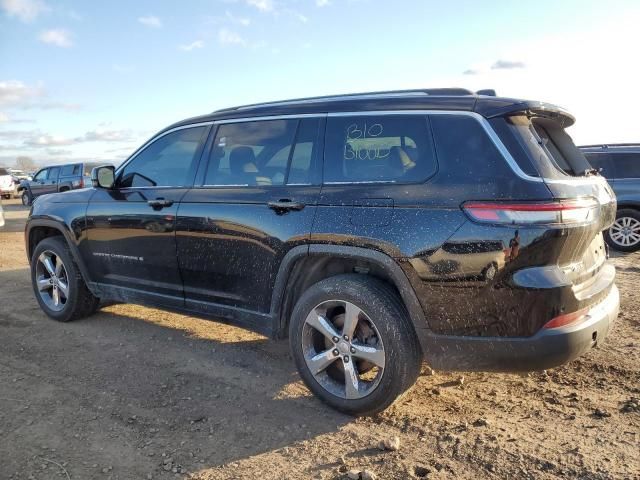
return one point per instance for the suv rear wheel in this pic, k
(624, 234)
(57, 283)
(353, 343)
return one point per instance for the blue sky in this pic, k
(92, 80)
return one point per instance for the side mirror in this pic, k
(103, 177)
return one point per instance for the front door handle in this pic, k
(284, 205)
(159, 203)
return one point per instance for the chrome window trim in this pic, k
(153, 139)
(292, 116)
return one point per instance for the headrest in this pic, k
(241, 159)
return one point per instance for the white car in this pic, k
(1, 215)
(7, 186)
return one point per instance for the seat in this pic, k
(242, 165)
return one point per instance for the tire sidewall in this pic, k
(386, 317)
(60, 249)
(625, 212)
(26, 199)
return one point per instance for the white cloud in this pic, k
(58, 37)
(15, 92)
(192, 46)
(262, 5)
(245, 22)
(228, 37)
(150, 21)
(322, 3)
(507, 65)
(48, 141)
(4, 117)
(302, 18)
(25, 10)
(103, 135)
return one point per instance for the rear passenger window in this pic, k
(627, 165)
(372, 148)
(267, 152)
(70, 170)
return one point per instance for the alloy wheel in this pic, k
(52, 280)
(343, 349)
(625, 232)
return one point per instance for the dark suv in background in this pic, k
(374, 230)
(57, 178)
(620, 164)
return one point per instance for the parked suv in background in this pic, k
(620, 164)
(57, 178)
(374, 230)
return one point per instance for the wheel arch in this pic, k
(305, 265)
(41, 228)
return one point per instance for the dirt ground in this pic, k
(136, 393)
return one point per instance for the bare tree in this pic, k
(26, 164)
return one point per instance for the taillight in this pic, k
(569, 212)
(566, 319)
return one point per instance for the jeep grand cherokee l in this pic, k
(374, 230)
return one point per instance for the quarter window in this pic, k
(395, 148)
(167, 162)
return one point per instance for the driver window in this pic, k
(41, 175)
(167, 162)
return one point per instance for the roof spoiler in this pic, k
(491, 108)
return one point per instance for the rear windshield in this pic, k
(541, 145)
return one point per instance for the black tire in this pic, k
(26, 198)
(616, 243)
(80, 302)
(382, 305)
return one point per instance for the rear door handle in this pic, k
(283, 206)
(159, 203)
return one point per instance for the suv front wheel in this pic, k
(353, 343)
(624, 234)
(26, 198)
(57, 284)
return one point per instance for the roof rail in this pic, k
(443, 92)
(608, 145)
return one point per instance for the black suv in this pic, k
(374, 230)
(58, 178)
(620, 164)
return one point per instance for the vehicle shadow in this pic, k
(146, 391)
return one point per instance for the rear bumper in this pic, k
(546, 349)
